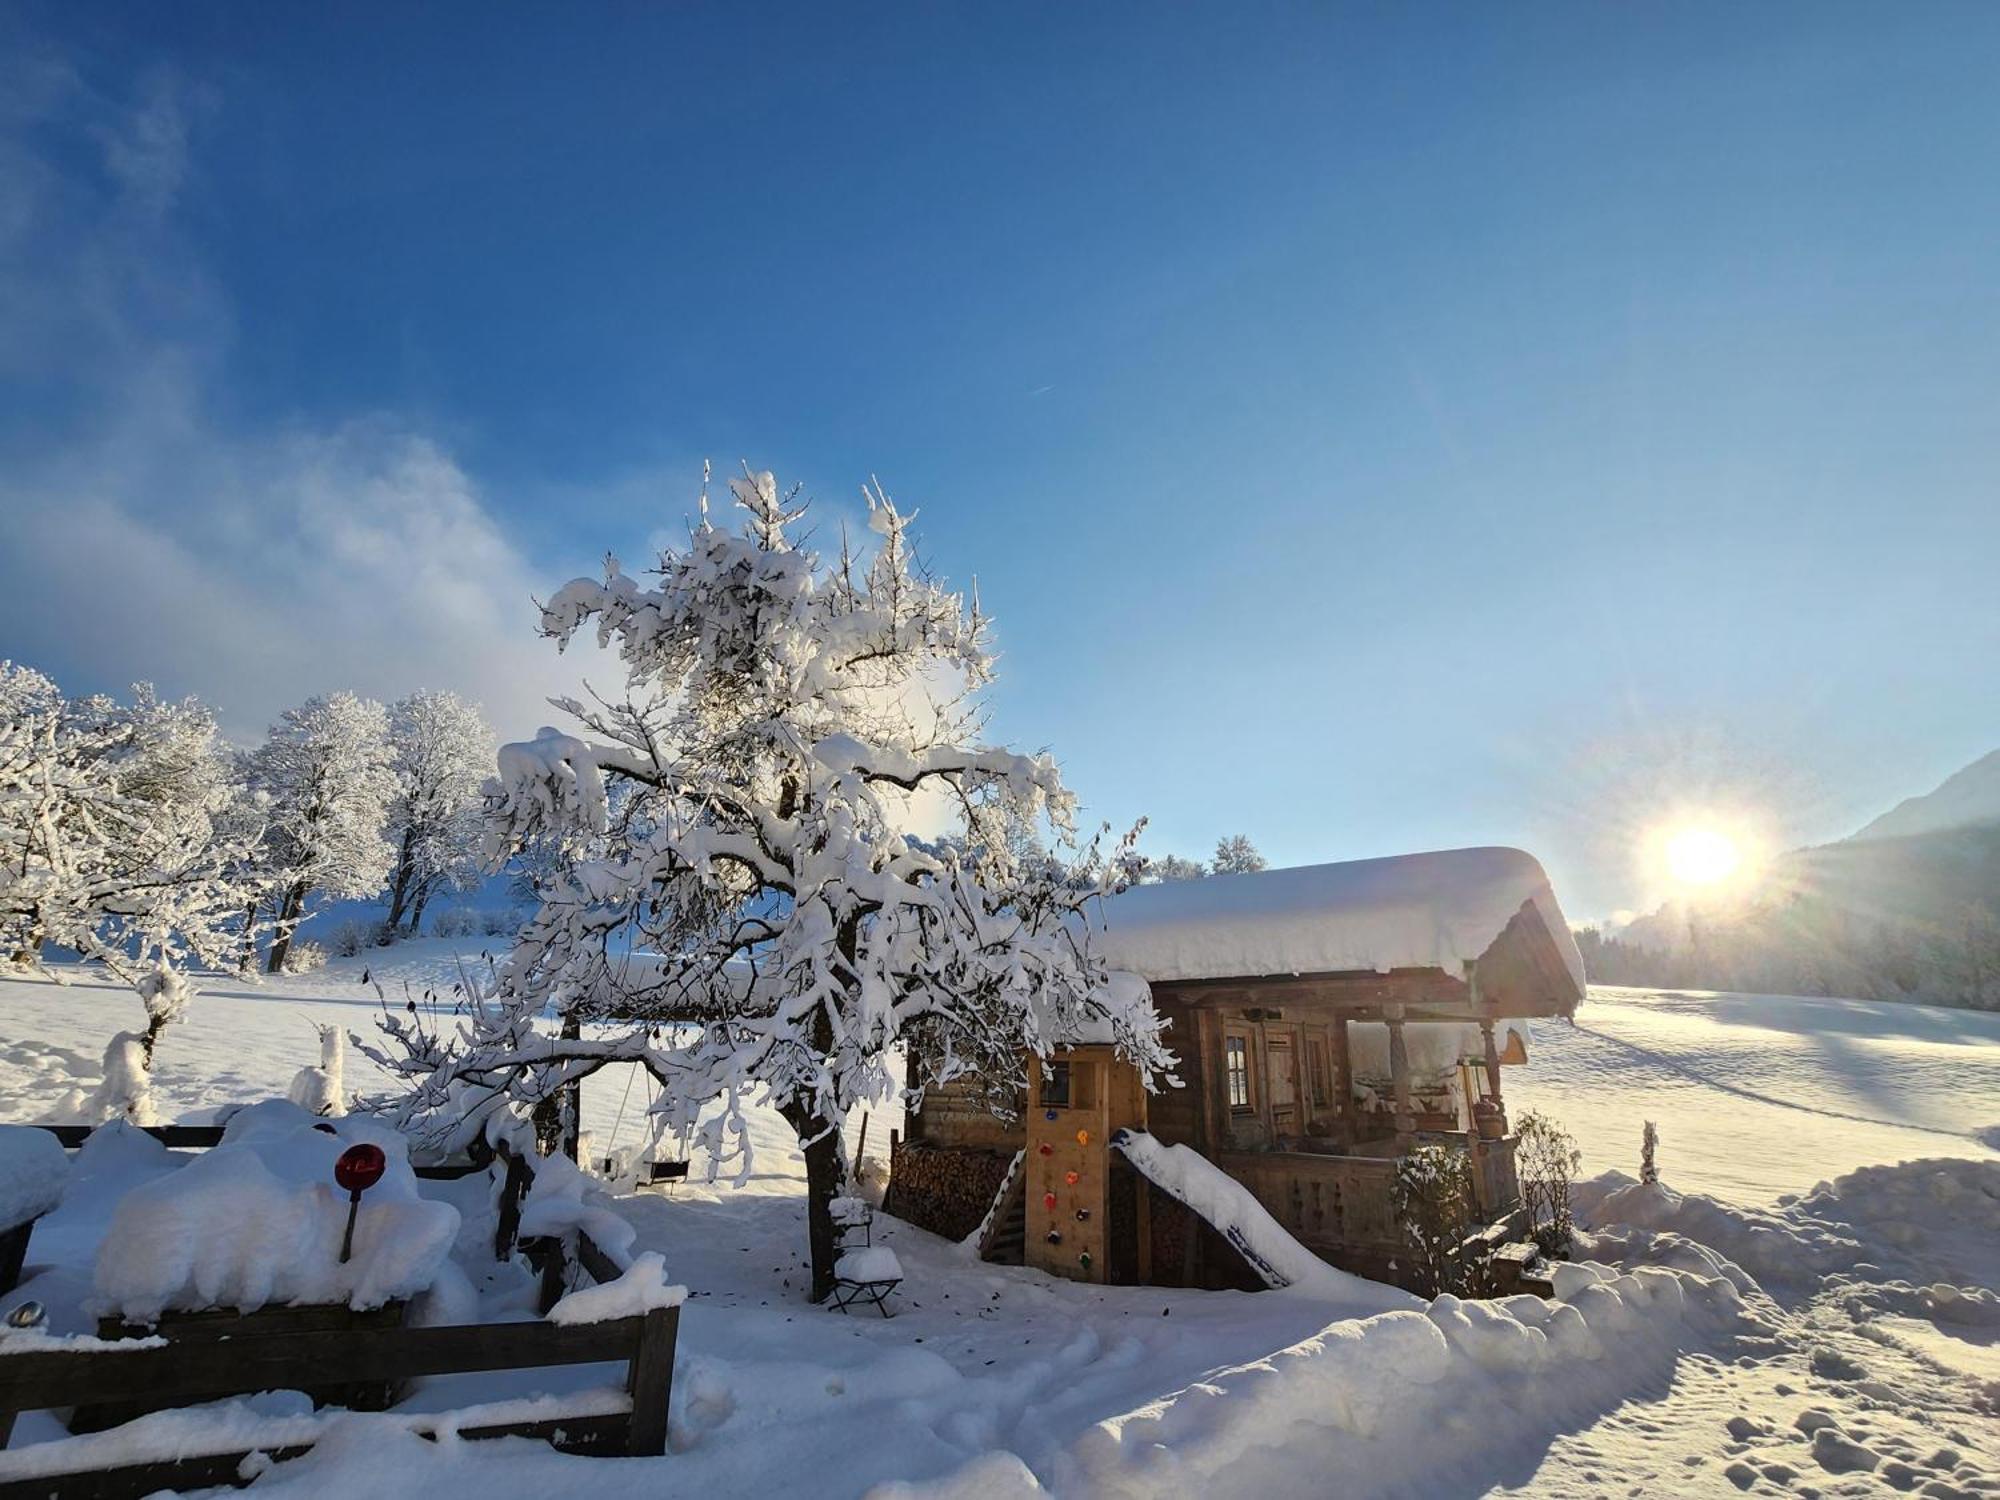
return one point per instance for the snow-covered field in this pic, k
(1839, 1341)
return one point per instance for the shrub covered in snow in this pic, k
(1431, 1196)
(1546, 1159)
(456, 922)
(304, 956)
(352, 937)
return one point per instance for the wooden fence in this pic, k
(206, 1367)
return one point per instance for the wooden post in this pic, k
(860, 1146)
(1343, 1080)
(650, 1379)
(1492, 1061)
(1399, 1076)
(512, 1191)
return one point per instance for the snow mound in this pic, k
(1187, 1176)
(33, 1170)
(869, 1263)
(1414, 911)
(259, 1220)
(1373, 1394)
(564, 1198)
(641, 1288)
(1928, 1219)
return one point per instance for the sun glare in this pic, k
(1702, 856)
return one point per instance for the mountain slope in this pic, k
(1965, 799)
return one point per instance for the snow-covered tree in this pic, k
(1171, 867)
(1236, 855)
(739, 909)
(108, 826)
(116, 844)
(326, 783)
(443, 750)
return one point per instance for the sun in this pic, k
(1702, 856)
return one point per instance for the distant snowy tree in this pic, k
(326, 781)
(738, 908)
(443, 751)
(1236, 855)
(1171, 867)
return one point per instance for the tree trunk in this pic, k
(826, 1174)
(826, 1170)
(558, 1119)
(288, 923)
(399, 890)
(417, 912)
(155, 1024)
(33, 936)
(250, 938)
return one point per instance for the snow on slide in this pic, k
(1188, 1177)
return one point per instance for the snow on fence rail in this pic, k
(195, 1370)
(629, 1314)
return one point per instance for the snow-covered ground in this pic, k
(1758, 1095)
(1841, 1342)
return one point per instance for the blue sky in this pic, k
(1373, 428)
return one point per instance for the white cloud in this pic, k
(150, 542)
(360, 558)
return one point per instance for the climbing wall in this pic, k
(1068, 1161)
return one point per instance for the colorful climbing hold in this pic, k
(1083, 1213)
(1046, 1149)
(1084, 1260)
(1083, 1137)
(1072, 1178)
(1048, 1200)
(1055, 1236)
(1048, 1114)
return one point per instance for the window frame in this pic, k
(1057, 1083)
(1235, 1046)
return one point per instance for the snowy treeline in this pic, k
(727, 887)
(133, 835)
(1234, 855)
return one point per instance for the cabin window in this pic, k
(1069, 1085)
(1236, 1067)
(1055, 1085)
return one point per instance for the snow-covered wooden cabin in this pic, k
(1327, 1019)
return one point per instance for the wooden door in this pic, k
(1283, 1053)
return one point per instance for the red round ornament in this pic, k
(360, 1167)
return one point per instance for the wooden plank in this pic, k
(178, 1137)
(198, 1370)
(600, 1434)
(650, 1379)
(591, 1256)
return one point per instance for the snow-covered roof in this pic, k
(1414, 911)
